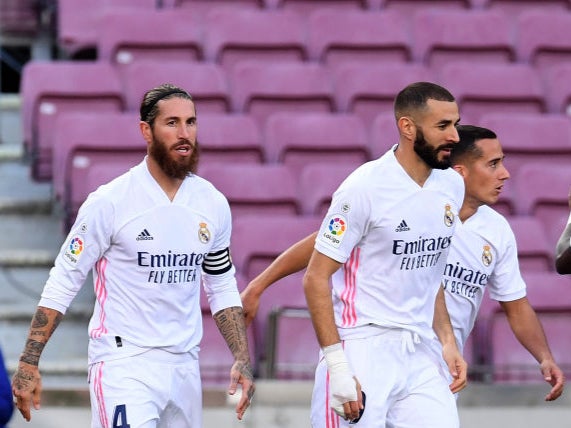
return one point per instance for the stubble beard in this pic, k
(428, 154)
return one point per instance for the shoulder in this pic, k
(207, 190)
(487, 220)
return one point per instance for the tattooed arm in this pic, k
(230, 322)
(27, 382)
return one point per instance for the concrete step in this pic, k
(65, 353)
(19, 194)
(10, 120)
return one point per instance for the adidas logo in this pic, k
(402, 227)
(144, 236)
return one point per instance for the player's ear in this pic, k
(460, 169)
(146, 131)
(407, 128)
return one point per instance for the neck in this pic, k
(469, 208)
(169, 184)
(415, 167)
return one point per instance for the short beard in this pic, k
(172, 168)
(428, 154)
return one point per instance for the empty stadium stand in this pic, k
(300, 139)
(52, 88)
(337, 37)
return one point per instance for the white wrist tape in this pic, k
(342, 386)
(569, 220)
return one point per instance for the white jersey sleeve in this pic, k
(218, 272)
(85, 244)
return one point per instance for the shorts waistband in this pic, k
(162, 355)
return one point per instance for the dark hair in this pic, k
(414, 97)
(469, 136)
(149, 110)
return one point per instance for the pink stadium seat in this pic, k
(19, 18)
(337, 36)
(481, 88)
(535, 252)
(176, 35)
(292, 348)
(51, 88)
(413, 6)
(233, 35)
(515, 7)
(201, 7)
(253, 188)
(531, 138)
(443, 35)
(305, 7)
(542, 192)
(258, 239)
(229, 138)
(557, 81)
(300, 139)
(317, 183)
(80, 136)
(550, 295)
(506, 204)
(548, 43)
(79, 23)
(383, 133)
(369, 90)
(288, 346)
(206, 82)
(260, 89)
(92, 149)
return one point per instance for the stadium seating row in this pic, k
(327, 35)
(261, 89)
(297, 161)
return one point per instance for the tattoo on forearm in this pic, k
(40, 331)
(32, 352)
(230, 322)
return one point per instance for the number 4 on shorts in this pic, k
(120, 417)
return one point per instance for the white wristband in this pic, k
(335, 358)
(569, 220)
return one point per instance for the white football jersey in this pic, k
(393, 238)
(483, 255)
(149, 257)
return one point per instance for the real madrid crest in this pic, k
(448, 215)
(487, 256)
(203, 233)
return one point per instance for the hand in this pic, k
(346, 397)
(27, 388)
(241, 373)
(457, 366)
(344, 388)
(250, 303)
(554, 376)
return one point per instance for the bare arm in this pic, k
(529, 332)
(27, 382)
(318, 295)
(563, 252)
(230, 322)
(292, 260)
(563, 249)
(345, 390)
(443, 329)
